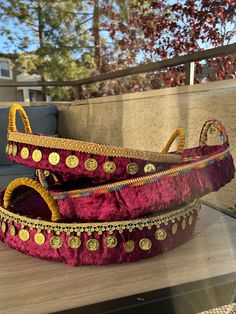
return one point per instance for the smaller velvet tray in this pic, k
(69, 158)
(96, 243)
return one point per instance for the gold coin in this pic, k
(74, 242)
(54, 158)
(183, 224)
(72, 161)
(149, 168)
(10, 149)
(132, 168)
(91, 164)
(39, 238)
(7, 148)
(24, 235)
(160, 234)
(24, 153)
(129, 246)
(190, 220)
(4, 227)
(14, 150)
(56, 242)
(174, 228)
(92, 245)
(145, 244)
(46, 173)
(12, 230)
(37, 155)
(109, 167)
(111, 241)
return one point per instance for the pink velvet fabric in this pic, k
(103, 255)
(135, 201)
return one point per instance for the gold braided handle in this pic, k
(47, 197)
(179, 132)
(12, 119)
(215, 125)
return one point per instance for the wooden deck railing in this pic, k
(187, 60)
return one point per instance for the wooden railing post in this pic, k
(78, 92)
(189, 73)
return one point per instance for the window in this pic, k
(5, 71)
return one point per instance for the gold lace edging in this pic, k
(100, 227)
(92, 148)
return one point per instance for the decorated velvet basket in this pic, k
(142, 204)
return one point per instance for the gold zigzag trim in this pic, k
(100, 227)
(92, 148)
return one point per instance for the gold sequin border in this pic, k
(101, 227)
(91, 148)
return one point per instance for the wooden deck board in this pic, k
(30, 285)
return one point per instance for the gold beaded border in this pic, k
(101, 227)
(91, 148)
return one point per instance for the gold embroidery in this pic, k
(111, 241)
(39, 238)
(190, 220)
(92, 245)
(24, 153)
(54, 158)
(92, 148)
(149, 168)
(174, 228)
(12, 230)
(24, 235)
(132, 168)
(145, 244)
(91, 164)
(160, 234)
(72, 161)
(37, 155)
(109, 167)
(74, 242)
(55, 242)
(14, 150)
(151, 221)
(129, 246)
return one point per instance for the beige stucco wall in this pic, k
(145, 120)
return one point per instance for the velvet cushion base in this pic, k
(145, 240)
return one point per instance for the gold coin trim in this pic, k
(54, 158)
(160, 234)
(10, 149)
(4, 227)
(72, 161)
(145, 244)
(12, 230)
(24, 235)
(190, 220)
(111, 242)
(37, 155)
(39, 238)
(183, 224)
(24, 153)
(91, 164)
(92, 245)
(55, 242)
(174, 228)
(74, 242)
(132, 168)
(109, 167)
(129, 246)
(14, 150)
(149, 168)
